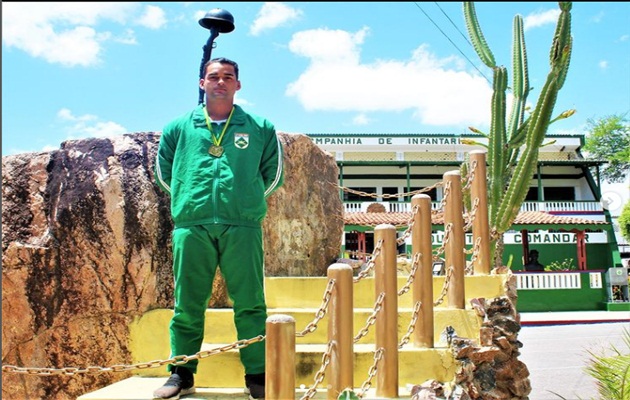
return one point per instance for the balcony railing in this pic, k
(585, 207)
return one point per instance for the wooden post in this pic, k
(340, 330)
(454, 249)
(580, 236)
(422, 286)
(280, 357)
(480, 229)
(525, 241)
(386, 281)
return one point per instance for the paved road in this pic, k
(556, 356)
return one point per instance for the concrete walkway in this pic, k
(557, 356)
(573, 317)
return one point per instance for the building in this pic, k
(561, 217)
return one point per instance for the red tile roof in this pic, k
(523, 218)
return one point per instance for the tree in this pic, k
(514, 139)
(609, 139)
(624, 221)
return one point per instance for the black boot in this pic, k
(255, 386)
(180, 383)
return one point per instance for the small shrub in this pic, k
(564, 265)
(612, 373)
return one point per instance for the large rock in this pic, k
(86, 248)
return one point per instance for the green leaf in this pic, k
(348, 394)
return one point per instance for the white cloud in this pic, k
(67, 33)
(438, 91)
(624, 38)
(361, 119)
(273, 15)
(597, 18)
(128, 37)
(88, 126)
(542, 18)
(603, 64)
(153, 17)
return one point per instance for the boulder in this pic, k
(86, 249)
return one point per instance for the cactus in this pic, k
(513, 144)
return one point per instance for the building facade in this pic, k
(561, 218)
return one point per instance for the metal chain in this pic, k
(412, 273)
(378, 355)
(370, 264)
(447, 190)
(472, 214)
(177, 360)
(471, 176)
(412, 325)
(319, 376)
(372, 318)
(312, 326)
(401, 240)
(447, 281)
(494, 235)
(390, 196)
(475, 253)
(447, 234)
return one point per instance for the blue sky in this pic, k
(76, 70)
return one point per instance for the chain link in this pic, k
(401, 240)
(471, 176)
(177, 360)
(447, 191)
(447, 281)
(472, 215)
(470, 270)
(370, 264)
(312, 326)
(372, 318)
(391, 196)
(412, 273)
(412, 325)
(447, 235)
(319, 376)
(378, 355)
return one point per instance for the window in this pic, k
(392, 190)
(348, 196)
(552, 193)
(532, 194)
(431, 193)
(560, 193)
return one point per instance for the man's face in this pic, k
(220, 81)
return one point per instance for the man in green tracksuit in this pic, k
(218, 163)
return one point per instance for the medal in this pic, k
(215, 150)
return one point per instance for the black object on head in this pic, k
(219, 19)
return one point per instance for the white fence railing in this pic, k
(548, 280)
(580, 206)
(551, 206)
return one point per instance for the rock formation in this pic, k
(86, 248)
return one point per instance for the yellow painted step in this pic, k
(149, 335)
(141, 388)
(221, 375)
(416, 365)
(308, 292)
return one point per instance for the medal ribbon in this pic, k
(217, 142)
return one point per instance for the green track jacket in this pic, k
(230, 189)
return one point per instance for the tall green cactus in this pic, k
(513, 144)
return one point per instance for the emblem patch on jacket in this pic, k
(241, 140)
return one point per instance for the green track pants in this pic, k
(197, 252)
